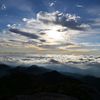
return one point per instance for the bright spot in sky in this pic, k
(54, 34)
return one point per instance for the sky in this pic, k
(50, 26)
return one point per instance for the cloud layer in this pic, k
(82, 64)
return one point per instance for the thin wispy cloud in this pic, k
(3, 7)
(30, 35)
(80, 6)
(51, 4)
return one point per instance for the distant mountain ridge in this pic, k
(49, 76)
(7, 70)
(32, 70)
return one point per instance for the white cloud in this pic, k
(51, 4)
(14, 25)
(80, 6)
(54, 19)
(29, 20)
(72, 17)
(8, 25)
(57, 18)
(3, 7)
(24, 19)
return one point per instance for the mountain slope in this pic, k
(19, 83)
(55, 77)
(16, 84)
(92, 81)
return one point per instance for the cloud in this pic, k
(8, 25)
(52, 31)
(94, 10)
(54, 46)
(80, 6)
(23, 42)
(62, 30)
(42, 33)
(18, 43)
(65, 20)
(66, 63)
(42, 40)
(48, 46)
(95, 64)
(54, 61)
(89, 44)
(3, 7)
(51, 4)
(30, 35)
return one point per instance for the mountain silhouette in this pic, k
(31, 70)
(54, 77)
(20, 83)
(92, 81)
(34, 79)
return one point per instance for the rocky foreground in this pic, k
(45, 96)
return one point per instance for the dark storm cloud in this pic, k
(17, 31)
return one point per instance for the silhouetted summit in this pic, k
(53, 77)
(3, 66)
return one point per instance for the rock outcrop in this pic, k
(45, 96)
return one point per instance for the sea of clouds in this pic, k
(82, 64)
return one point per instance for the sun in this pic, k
(54, 34)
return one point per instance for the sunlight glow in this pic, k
(54, 34)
